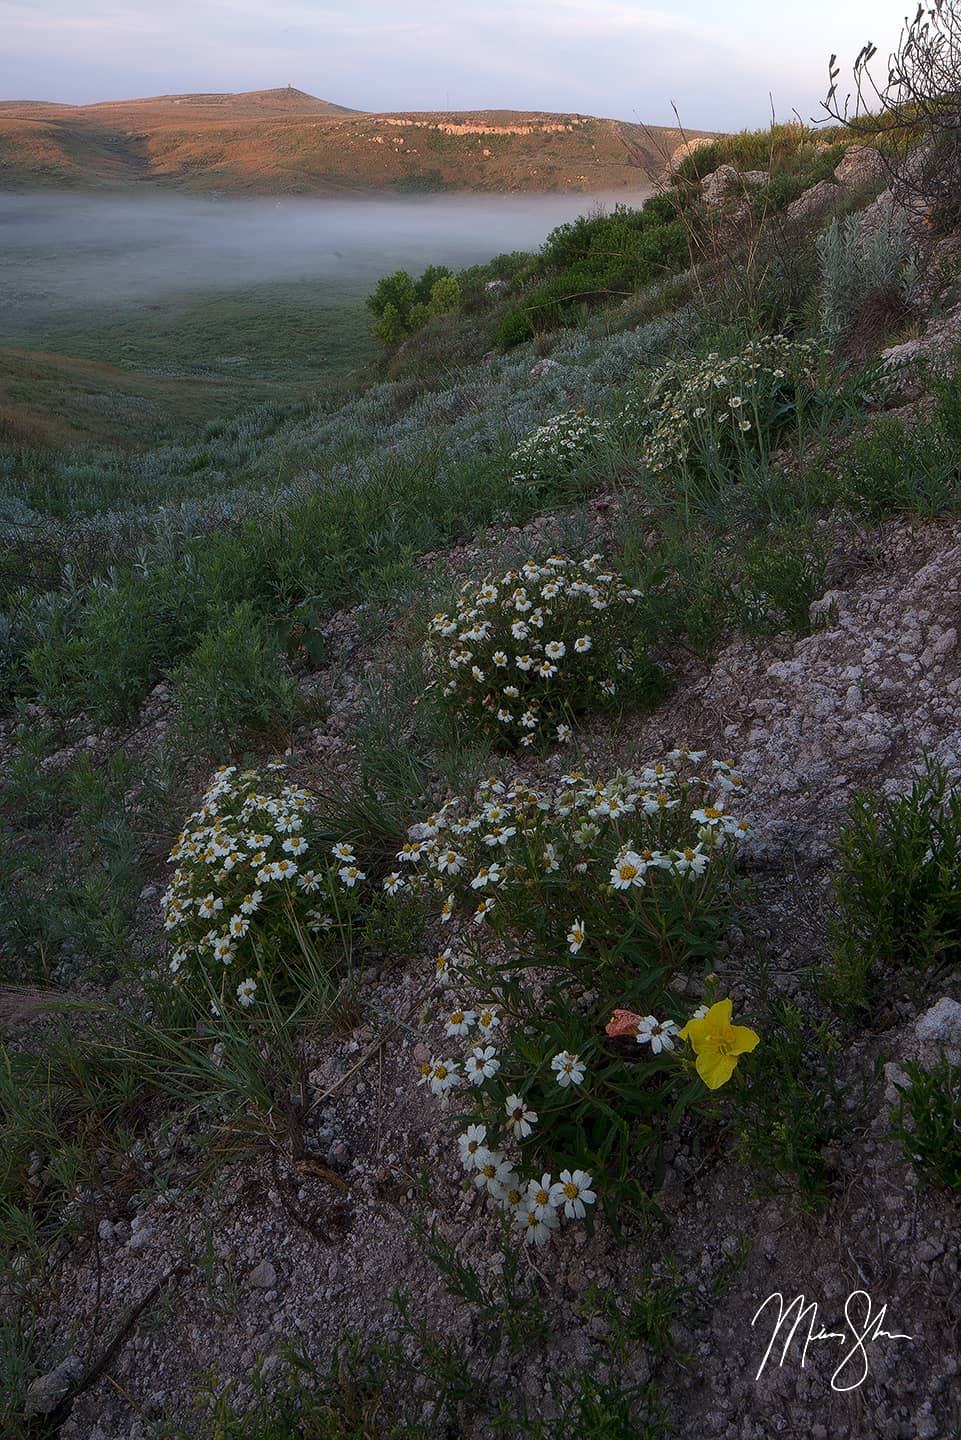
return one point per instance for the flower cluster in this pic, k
(521, 655)
(251, 876)
(598, 894)
(694, 410)
(555, 451)
(627, 841)
(534, 1204)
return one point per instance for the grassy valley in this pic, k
(145, 374)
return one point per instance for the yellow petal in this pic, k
(743, 1039)
(715, 1069)
(719, 1013)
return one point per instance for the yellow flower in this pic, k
(717, 1043)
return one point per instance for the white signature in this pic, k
(863, 1327)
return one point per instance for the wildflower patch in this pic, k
(522, 655)
(257, 880)
(714, 413)
(556, 454)
(577, 918)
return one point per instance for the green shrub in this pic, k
(522, 655)
(402, 304)
(895, 469)
(235, 687)
(897, 902)
(793, 1114)
(397, 290)
(592, 259)
(861, 267)
(928, 1122)
(444, 296)
(121, 643)
(780, 573)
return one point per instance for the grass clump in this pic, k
(521, 656)
(897, 903)
(793, 1115)
(783, 149)
(928, 1122)
(235, 689)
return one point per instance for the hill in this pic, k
(288, 142)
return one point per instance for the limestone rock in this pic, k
(263, 1276)
(859, 165)
(939, 1029)
(716, 187)
(46, 1392)
(816, 203)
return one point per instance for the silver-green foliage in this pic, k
(858, 260)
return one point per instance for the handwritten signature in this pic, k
(863, 1328)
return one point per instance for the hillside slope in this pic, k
(288, 142)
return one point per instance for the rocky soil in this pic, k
(231, 1266)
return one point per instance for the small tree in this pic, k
(444, 296)
(915, 112)
(425, 285)
(397, 290)
(390, 328)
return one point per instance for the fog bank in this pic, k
(62, 252)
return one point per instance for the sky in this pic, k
(720, 64)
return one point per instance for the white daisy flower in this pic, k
(628, 871)
(472, 1147)
(575, 936)
(487, 1021)
(482, 1064)
(573, 1191)
(444, 1076)
(459, 1022)
(496, 1175)
(659, 1034)
(520, 1119)
(539, 1197)
(537, 1228)
(246, 991)
(570, 1069)
(448, 862)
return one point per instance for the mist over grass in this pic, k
(60, 254)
